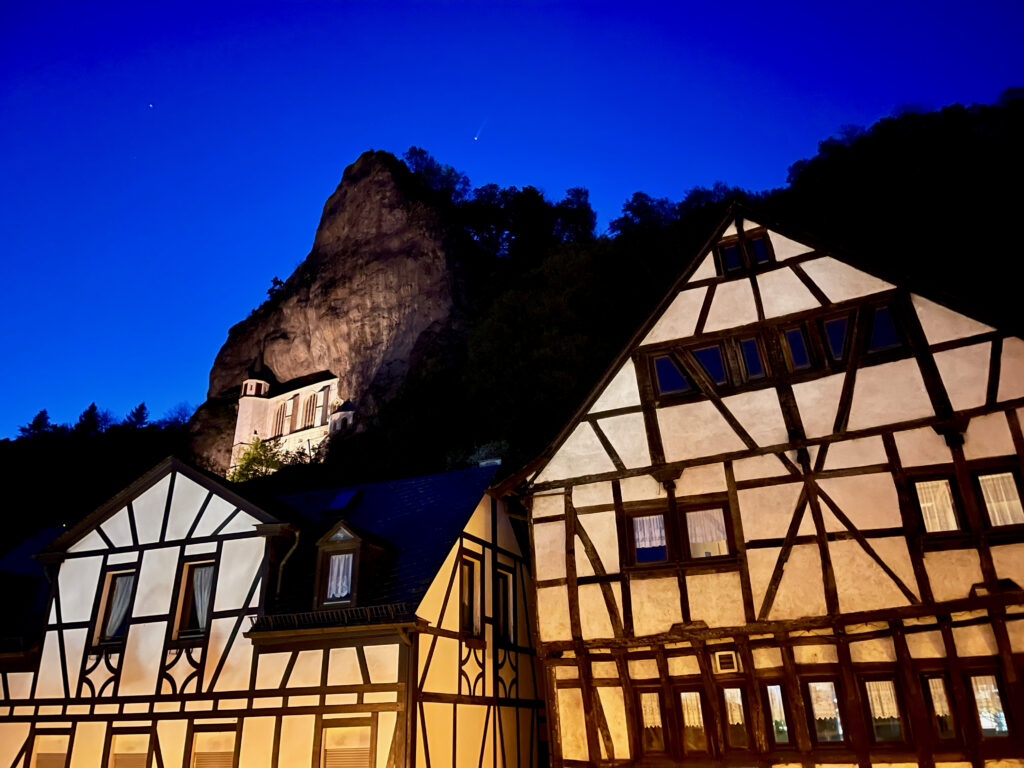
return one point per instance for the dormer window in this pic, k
(339, 559)
(737, 255)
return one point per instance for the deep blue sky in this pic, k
(160, 162)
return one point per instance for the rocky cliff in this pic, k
(375, 288)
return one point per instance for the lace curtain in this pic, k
(823, 701)
(650, 706)
(1001, 499)
(693, 717)
(734, 706)
(121, 595)
(649, 531)
(937, 689)
(882, 699)
(706, 529)
(339, 578)
(202, 586)
(990, 706)
(936, 500)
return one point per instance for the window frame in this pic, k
(196, 729)
(741, 686)
(901, 707)
(325, 549)
(963, 524)
(844, 718)
(638, 691)
(748, 261)
(787, 712)
(929, 705)
(353, 722)
(1000, 468)
(108, 743)
(504, 636)
(866, 323)
(102, 605)
(670, 555)
(684, 532)
(988, 671)
(473, 633)
(182, 580)
(709, 733)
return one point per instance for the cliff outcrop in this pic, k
(375, 288)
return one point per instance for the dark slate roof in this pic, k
(411, 524)
(26, 591)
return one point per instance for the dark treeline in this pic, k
(546, 302)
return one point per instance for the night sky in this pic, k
(161, 162)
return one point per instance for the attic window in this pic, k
(339, 577)
(711, 360)
(671, 379)
(797, 350)
(115, 610)
(194, 597)
(884, 334)
(836, 336)
(758, 249)
(746, 253)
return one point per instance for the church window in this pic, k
(938, 511)
(213, 749)
(707, 533)
(1002, 498)
(309, 411)
(195, 595)
(779, 727)
(711, 360)
(653, 727)
(279, 417)
(989, 706)
(115, 607)
(735, 719)
(649, 542)
(695, 736)
(671, 379)
(826, 721)
(940, 709)
(884, 710)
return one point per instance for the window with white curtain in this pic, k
(654, 730)
(339, 577)
(195, 596)
(735, 720)
(885, 710)
(116, 607)
(695, 738)
(649, 538)
(780, 728)
(935, 497)
(707, 533)
(828, 724)
(941, 710)
(989, 704)
(1002, 500)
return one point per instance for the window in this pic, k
(278, 427)
(129, 750)
(669, 376)
(935, 499)
(50, 750)
(1002, 498)
(695, 737)
(757, 250)
(309, 411)
(736, 256)
(941, 712)
(339, 577)
(649, 542)
(777, 711)
(115, 607)
(653, 728)
(735, 719)
(345, 747)
(989, 706)
(884, 334)
(469, 597)
(707, 533)
(796, 348)
(194, 600)
(836, 332)
(711, 361)
(826, 723)
(884, 710)
(752, 359)
(732, 261)
(213, 749)
(503, 625)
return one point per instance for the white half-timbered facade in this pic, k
(787, 527)
(189, 628)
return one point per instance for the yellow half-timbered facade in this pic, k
(377, 626)
(786, 528)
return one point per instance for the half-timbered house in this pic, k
(377, 626)
(786, 527)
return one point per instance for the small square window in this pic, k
(115, 611)
(941, 711)
(989, 706)
(935, 498)
(757, 247)
(735, 719)
(777, 709)
(1002, 498)
(707, 533)
(695, 736)
(798, 352)
(827, 724)
(732, 260)
(649, 539)
(711, 360)
(752, 359)
(885, 710)
(883, 331)
(194, 599)
(671, 379)
(836, 337)
(654, 729)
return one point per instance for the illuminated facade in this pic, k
(786, 527)
(378, 626)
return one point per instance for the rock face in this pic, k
(376, 286)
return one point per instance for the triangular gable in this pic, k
(170, 502)
(341, 533)
(809, 276)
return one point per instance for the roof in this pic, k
(414, 522)
(26, 591)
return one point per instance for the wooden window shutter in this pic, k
(136, 760)
(325, 412)
(295, 414)
(213, 760)
(347, 757)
